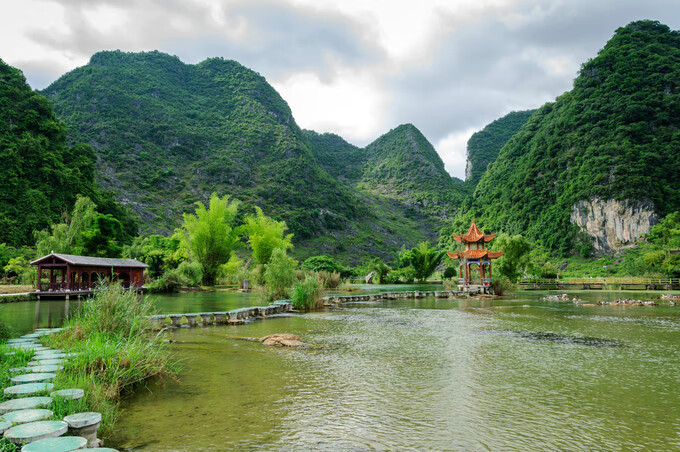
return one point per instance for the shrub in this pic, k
(191, 273)
(450, 272)
(279, 275)
(330, 280)
(500, 285)
(323, 263)
(307, 294)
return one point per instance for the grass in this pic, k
(116, 352)
(307, 294)
(12, 289)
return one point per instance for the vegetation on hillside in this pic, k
(483, 146)
(41, 176)
(237, 136)
(615, 135)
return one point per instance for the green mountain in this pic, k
(613, 140)
(40, 174)
(403, 165)
(483, 146)
(167, 134)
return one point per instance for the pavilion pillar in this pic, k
(481, 274)
(490, 274)
(39, 276)
(68, 277)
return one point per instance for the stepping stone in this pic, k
(4, 426)
(33, 378)
(60, 444)
(35, 431)
(46, 368)
(31, 336)
(85, 425)
(46, 362)
(73, 394)
(21, 370)
(30, 415)
(49, 352)
(24, 404)
(37, 357)
(20, 340)
(28, 389)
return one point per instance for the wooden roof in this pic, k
(92, 261)
(473, 235)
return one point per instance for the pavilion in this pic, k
(475, 254)
(68, 274)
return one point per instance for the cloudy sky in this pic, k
(353, 67)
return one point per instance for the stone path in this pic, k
(26, 419)
(239, 316)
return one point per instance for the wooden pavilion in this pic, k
(67, 274)
(475, 254)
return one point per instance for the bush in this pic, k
(191, 273)
(307, 294)
(279, 275)
(500, 285)
(450, 272)
(330, 280)
(323, 263)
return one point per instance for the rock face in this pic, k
(613, 225)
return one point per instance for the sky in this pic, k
(357, 68)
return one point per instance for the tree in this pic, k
(209, 235)
(423, 259)
(265, 235)
(515, 257)
(323, 263)
(68, 237)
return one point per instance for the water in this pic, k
(426, 374)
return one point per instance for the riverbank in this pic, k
(114, 351)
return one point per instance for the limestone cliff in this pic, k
(613, 225)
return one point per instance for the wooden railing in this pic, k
(600, 280)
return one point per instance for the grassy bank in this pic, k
(115, 351)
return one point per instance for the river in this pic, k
(515, 373)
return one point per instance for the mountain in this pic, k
(597, 167)
(40, 174)
(401, 165)
(167, 134)
(483, 146)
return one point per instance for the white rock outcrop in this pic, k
(613, 225)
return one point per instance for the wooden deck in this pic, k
(600, 284)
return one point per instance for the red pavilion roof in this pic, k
(475, 254)
(473, 235)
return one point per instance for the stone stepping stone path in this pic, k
(85, 425)
(30, 415)
(73, 394)
(24, 404)
(45, 368)
(28, 389)
(4, 426)
(35, 431)
(20, 370)
(60, 444)
(46, 362)
(36, 377)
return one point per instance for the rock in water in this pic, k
(283, 340)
